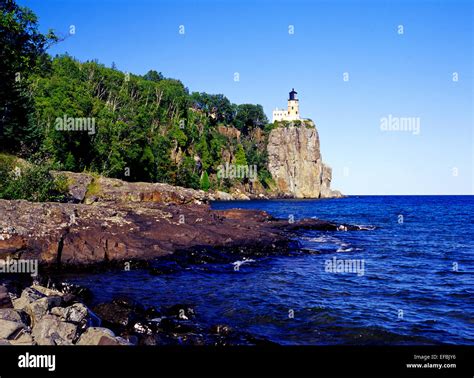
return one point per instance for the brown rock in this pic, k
(50, 330)
(39, 308)
(295, 162)
(9, 328)
(22, 338)
(100, 336)
(11, 315)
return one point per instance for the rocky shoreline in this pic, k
(38, 315)
(109, 220)
(125, 226)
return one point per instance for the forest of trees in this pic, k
(146, 127)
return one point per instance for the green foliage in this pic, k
(203, 150)
(22, 52)
(240, 158)
(152, 75)
(217, 107)
(186, 175)
(34, 183)
(205, 183)
(139, 121)
(249, 116)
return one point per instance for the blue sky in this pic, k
(403, 75)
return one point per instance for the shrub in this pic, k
(33, 183)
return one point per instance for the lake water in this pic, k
(409, 280)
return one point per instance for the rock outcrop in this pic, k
(295, 162)
(67, 234)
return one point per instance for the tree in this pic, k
(154, 76)
(186, 175)
(249, 116)
(22, 52)
(205, 183)
(217, 107)
(240, 158)
(139, 120)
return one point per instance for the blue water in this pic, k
(417, 285)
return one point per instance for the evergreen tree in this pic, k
(205, 183)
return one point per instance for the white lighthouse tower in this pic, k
(293, 111)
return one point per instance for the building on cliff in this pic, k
(294, 156)
(293, 111)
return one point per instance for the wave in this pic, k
(365, 227)
(237, 264)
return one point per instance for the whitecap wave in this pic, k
(239, 263)
(365, 227)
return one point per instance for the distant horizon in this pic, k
(405, 61)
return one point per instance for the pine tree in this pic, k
(240, 158)
(205, 183)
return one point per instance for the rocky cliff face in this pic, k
(295, 162)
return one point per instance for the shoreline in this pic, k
(122, 228)
(61, 314)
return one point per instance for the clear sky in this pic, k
(402, 73)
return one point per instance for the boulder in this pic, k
(22, 338)
(78, 314)
(5, 301)
(29, 295)
(9, 328)
(78, 184)
(47, 291)
(39, 308)
(50, 330)
(120, 313)
(11, 315)
(221, 196)
(100, 336)
(239, 195)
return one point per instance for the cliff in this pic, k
(295, 162)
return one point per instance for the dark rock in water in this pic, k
(143, 328)
(182, 311)
(57, 321)
(169, 325)
(152, 312)
(115, 314)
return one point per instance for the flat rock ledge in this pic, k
(67, 234)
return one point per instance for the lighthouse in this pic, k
(293, 111)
